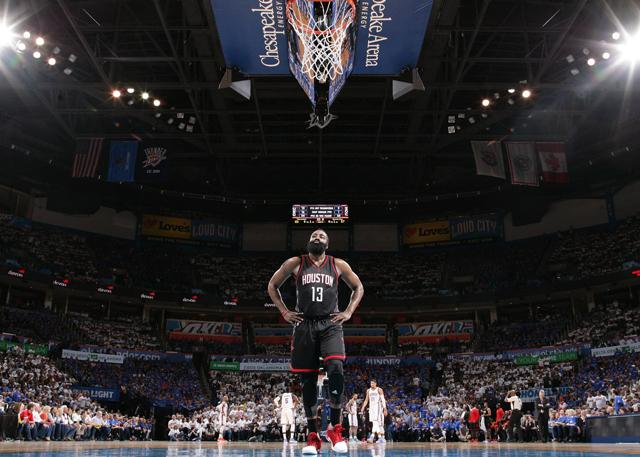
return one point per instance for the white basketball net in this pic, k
(321, 34)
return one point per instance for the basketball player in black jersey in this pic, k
(317, 328)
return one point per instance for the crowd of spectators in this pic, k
(41, 325)
(163, 383)
(472, 269)
(127, 333)
(37, 402)
(502, 335)
(582, 254)
(607, 325)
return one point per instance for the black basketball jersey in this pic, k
(317, 287)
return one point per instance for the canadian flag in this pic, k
(553, 161)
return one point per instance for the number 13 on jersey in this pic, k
(316, 294)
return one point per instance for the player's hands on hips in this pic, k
(292, 317)
(339, 318)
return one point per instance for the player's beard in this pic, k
(316, 248)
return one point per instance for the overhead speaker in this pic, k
(235, 81)
(409, 81)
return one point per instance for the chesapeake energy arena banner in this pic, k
(435, 331)
(389, 35)
(456, 229)
(181, 329)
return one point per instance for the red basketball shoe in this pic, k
(338, 444)
(314, 444)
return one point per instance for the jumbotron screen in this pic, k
(320, 214)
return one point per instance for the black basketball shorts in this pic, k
(314, 338)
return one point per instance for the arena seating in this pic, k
(127, 333)
(162, 383)
(32, 384)
(475, 269)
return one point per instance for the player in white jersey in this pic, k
(287, 402)
(377, 411)
(223, 414)
(352, 412)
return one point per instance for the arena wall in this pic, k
(105, 221)
(561, 216)
(264, 237)
(338, 238)
(627, 201)
(375, 237)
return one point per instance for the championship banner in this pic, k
(523, 164)
(613, 350)
(122, 161)
(205, 330)
(488, 157)
(153, 161)
(389, 38)
(216, 231)
(98, 393)
(92, 356)
(166, 227)
(426, 232)
(553, 161)
(481, 226)
(435, 331)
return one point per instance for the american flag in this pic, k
(85, 162)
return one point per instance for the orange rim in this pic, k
(309, 29)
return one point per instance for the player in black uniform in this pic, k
(318, 327)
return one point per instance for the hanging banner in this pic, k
(488, 157)
(166, 227)
(154, 161)
(389, 35)
(435, 331)
(205, 330)
(553, 161)
(523, 164)
(122, 161)
(427, 232)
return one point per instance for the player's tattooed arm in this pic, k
(279, 277)
(357, 291)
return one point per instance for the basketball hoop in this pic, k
(321, 26)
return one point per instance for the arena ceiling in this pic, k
(378, 148)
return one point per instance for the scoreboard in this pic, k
(320, 214)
